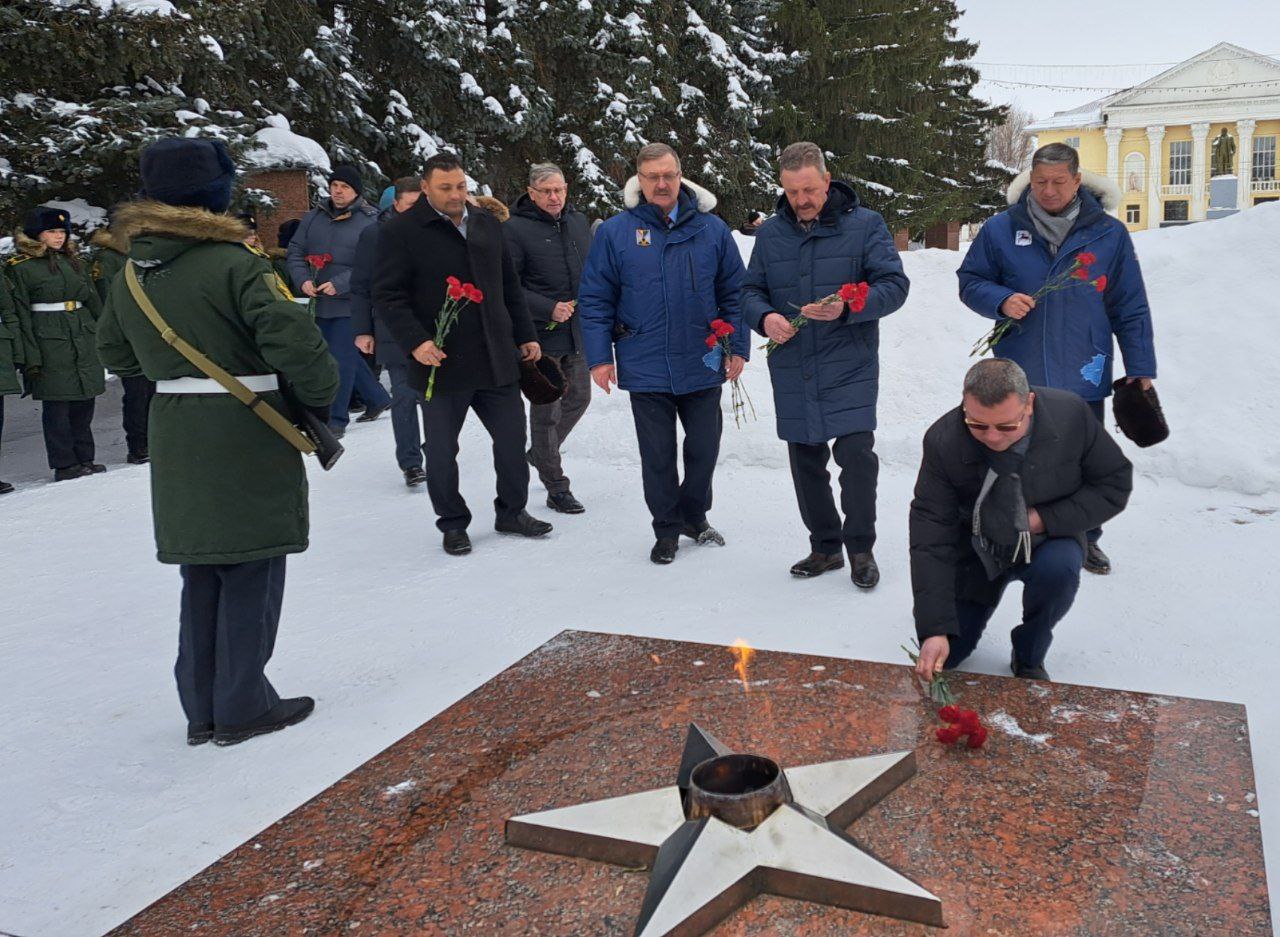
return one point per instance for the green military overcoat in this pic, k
(10, 342)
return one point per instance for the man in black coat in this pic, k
(1011, 481)
(373, 337)
(548, 240)
(435, 239)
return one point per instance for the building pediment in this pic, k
(1223, 76)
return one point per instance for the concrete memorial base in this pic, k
(1088, 811)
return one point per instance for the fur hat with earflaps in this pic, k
(1138, 413)
(541, 381)
(46, 218)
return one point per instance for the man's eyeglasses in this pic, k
(667, 177)
(556, 190)
(998, 427)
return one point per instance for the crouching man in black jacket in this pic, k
(1011, 481)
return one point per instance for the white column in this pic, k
(1244, 163)
(1155, 175)
(1199, 179)
(1113, 135)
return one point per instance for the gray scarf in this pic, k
(1001, 532)
(1054, 228)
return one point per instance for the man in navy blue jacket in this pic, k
(825, 375)
(1064, 339)
(656, 277)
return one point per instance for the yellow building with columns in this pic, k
(1157, 141)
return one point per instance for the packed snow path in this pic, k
(105, 808)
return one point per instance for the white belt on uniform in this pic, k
(258, 383)
(302, 300)
(70, 305)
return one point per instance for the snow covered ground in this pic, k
(104, 808)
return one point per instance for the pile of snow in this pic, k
(129, 7)
(83, 215)
(278, 147)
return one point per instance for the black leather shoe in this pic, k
(1026, 671)
(864, 573)
(1096, 562)
(815, 564)
(372, 413)
(5, 488)
(523, 525)
(565, 503)
(664, 551)
(414, 476)
(93, 468)
(66, 474)
(703, 533)
(457, 543)
(141, 457)
(283, 714)
(199, 732)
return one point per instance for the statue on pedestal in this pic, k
(1224, 154)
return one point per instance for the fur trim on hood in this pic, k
(705, 200)
(197, 224)
(492, 205)
(34, 247)
(109, 239)
(1102, 188)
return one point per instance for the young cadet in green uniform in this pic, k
(10, 356)
(229, 494)
(110, 254)
(60, 310)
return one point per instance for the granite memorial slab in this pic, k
(1088, 811)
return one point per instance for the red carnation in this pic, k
(947, 735)
(949, 713)
(721, 328)
(968, 720)
(1085, 258)
(455, 291)
(711, 341)
(319, 261)
(453, 281)
(1081, 273)
(977, 737)
(473, 292)
(1100, 284)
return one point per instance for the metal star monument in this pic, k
(736, 826)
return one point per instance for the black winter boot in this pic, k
(865, 573)
(815, 564)
(524, 525)
(1096, 562)
(285, 713)
(703, 533)
(664, 551)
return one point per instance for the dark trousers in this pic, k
(501, 410)
(227, 631)
(550, 424)
(1049, 584)
(673, 503)
(68, 431)
(859, 469)
(135, 408)
(1099, 408)
(406, 404)
(353, 373)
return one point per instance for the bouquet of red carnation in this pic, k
(854, 294)
(457, 296)
(316, 263)
(939, 689)
(1074, 275)
(717, 357)
(961, 724)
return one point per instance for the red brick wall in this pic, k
(945, 234)
(901, 239)
(293, 196)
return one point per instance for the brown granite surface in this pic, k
(1089, 811)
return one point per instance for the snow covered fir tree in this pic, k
(582, 82)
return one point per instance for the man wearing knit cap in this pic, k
(333, 228)
(229, 493)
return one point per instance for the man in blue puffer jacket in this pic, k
(826, 374)
(656, 277)
(1063, 339)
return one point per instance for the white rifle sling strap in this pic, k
(263, 410)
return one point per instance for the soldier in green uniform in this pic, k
(60, 309)
(10, 356)
(110, 253)
(228, 493)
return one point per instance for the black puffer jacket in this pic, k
(1073, 474)
(548, 254)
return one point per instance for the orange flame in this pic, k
(742, 653)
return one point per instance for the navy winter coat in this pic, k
(365, 320)
(652, 292)
(1065, 341)
(826, 379)
(326, 231)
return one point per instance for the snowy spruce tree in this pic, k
(883, 87)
